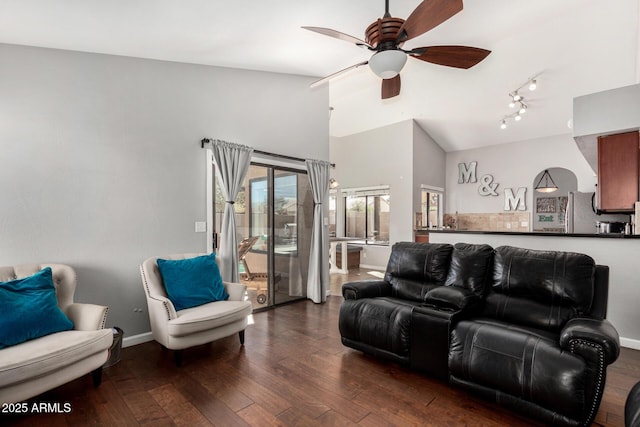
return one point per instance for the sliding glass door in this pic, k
(274, 215)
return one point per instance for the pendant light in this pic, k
(549, 186)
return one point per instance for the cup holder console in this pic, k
(431, 326)
(440, 308)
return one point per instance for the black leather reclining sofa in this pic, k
(524, 328)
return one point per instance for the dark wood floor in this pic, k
(293, 370)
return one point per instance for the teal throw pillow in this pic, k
(193, 281)
(29, 309)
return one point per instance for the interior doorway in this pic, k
(274, 218)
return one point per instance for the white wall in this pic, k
(101, 165)
(512, 166)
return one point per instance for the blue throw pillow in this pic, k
(193, 281)
(29, 309)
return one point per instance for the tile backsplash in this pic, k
(500, 221)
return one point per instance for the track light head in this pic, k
(503, 125)
(533, 85)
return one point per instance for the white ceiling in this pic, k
(576, 46)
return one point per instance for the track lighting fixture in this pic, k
(523, 108)
(517, 101)
(515, 116)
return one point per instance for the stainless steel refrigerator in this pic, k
(580, 216)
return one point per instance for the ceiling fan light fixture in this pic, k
(387, 64)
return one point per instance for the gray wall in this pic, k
(429, 162)
(101, 165)
(402, 156)
(512, 165)
(377, 157)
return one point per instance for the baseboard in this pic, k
(630, 343)
(137, 339)
(373, 267)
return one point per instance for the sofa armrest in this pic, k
(452, 297)
(87, 317)
(366, 289)
(591, 331)
(236, 291)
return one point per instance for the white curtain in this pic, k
(233, 162)
(317, 281)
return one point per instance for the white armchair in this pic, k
(35, 366)
(177, 330)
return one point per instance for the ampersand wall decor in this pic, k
(487, 186)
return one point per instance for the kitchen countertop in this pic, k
(536, 233)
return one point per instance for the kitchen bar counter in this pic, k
(540, 233)
(618, 251)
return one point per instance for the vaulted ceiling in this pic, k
(575, 47)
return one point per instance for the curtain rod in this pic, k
(266, 153)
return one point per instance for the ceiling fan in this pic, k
(386, 36)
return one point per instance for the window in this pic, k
(431, 208)
(367, 216)
(274, 206)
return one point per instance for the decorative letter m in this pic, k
(517, 202)
(466, 175)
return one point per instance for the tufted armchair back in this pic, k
(64, 279)
(154, 286)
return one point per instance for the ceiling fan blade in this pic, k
(338, 35)
(330, 76)
(391, 87)
(451, 56)
(429, 14)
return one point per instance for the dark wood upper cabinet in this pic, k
(618, 167)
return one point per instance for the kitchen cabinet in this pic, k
(421, 236)
(618, 167)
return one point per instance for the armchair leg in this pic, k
(241, 335)
(177, 356)
(96, 375)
